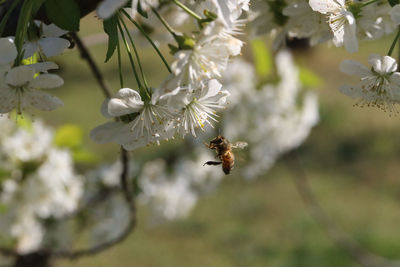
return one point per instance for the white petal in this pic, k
(350, 35)
(29, 49)
(47, 81)
(105, 133)
(389, 64)
(8, 51)
(44, 66)
(104, 108)
(127, 101)
(42, 100)
(395, 14)
(352, 67)
(20, 75)
(212, 89)
(107, 8)
(375, 61)
(352, 91)
(324, 6)
(8, 100)
(52, 46)
(52, 30)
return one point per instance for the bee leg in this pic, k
(207, 145)
(212, 163)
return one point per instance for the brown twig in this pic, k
(85, 55)
(340, 237)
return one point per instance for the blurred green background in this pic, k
(351, 159)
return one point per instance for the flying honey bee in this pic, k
(224, 152)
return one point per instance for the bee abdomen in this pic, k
(228, 161)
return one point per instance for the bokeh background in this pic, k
(351, 160)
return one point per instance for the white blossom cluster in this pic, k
(20, 85)
(190, 96)
(170, 191)
(38, 183)
(342, 21)
(280, 117)
(345, 23)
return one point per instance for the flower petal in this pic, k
(29, 49)
(52, 46)
(8, 100)
(42, 100)
(107, 8)
(52, 30)
(126, 101)
(324, 6)
(47, 81)
(395, 14)
(389, 64)
(213, 88)
(350, 33)
(105, 133)
(44, 66)
(352, 67)
(352, 91)
(20, 75)
(375, 61)
(8, 51)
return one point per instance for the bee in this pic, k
(224, 152)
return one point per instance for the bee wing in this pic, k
(239, 144)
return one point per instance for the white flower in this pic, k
(341, 21)
(379, 86)
(48, 43)
(168, 197)
(146, 122)
(200, 107)
(27, 231)
(206, 60)
(18, 89)
(280, 119)
(25, 145)
(238, 78)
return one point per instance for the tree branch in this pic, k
(85, 55)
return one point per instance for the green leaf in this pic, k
(83, 156)
(262, 58)
(394, 2)
(69, 135)
(309, 78)
(110, 27)
(141, 11)
(64, 13)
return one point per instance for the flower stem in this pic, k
(148, 39)
(369, 2)
(121, 79)
(136, 53)
(128, 50)
(394, 43)
(164, 22)
(187, 10)
(22, 28)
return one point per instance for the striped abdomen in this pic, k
(228, 160)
